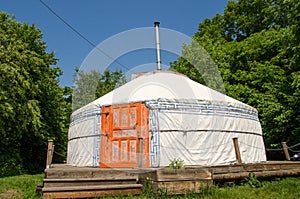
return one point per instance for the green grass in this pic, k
(24, 186)
(288, 188)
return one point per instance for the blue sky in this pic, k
(99, 20)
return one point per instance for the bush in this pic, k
(176, 164)
(10, 167)
(252, 181)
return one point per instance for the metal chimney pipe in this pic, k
(158, 61)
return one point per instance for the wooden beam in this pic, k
(259, 174)
(285, 150)
(183, 174)
(49, 153)
(93, 187)
(237, 150)
(87, 182)
(91, 193)
(181, 187)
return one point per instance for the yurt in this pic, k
(161, 116)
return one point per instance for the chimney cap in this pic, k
(156, 23)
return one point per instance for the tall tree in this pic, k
(108, 81)
(255, 45)
(94, 84)
(32, 106)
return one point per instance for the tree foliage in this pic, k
(32, 105)
(255, 45)
(94, 84)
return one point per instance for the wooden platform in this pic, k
(62, 181)
(270, 169)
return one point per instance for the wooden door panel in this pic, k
(123, 127)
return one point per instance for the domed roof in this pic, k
(162, 85)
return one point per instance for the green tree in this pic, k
(255, 45)
(94, 84)
(109, 80)
(32, 106)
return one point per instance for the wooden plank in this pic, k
(183, 174)
(180, 187)
(254, 167)
(272, 167)
(227, 169)
(181, 180)
(147, 176)
(134, 179)
(92, 173)
(92, 194)
(230, 176)
(217, 170)
(290, 166)
(85, 188)
(262, 174)
(236, 168)
(87, 182)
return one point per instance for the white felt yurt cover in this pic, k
(188, 121)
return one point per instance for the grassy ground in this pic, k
(288, 188)
(24, 186)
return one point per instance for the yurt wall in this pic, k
(84, 137)
(201, 132)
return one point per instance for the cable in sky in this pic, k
(81, 35)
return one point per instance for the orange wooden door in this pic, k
(125, 140)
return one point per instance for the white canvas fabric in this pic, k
(187, 121)
(162, 85)
(202, 132)
(209, 148)
(83, 138)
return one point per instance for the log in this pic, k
(49, 154)
(237, 150)
(263, 174)
(91, 191)
(285, 150)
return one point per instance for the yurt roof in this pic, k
(162, 85)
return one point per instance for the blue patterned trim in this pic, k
(204, 108)
(154, 147)
(96, 154)
(85, 115)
